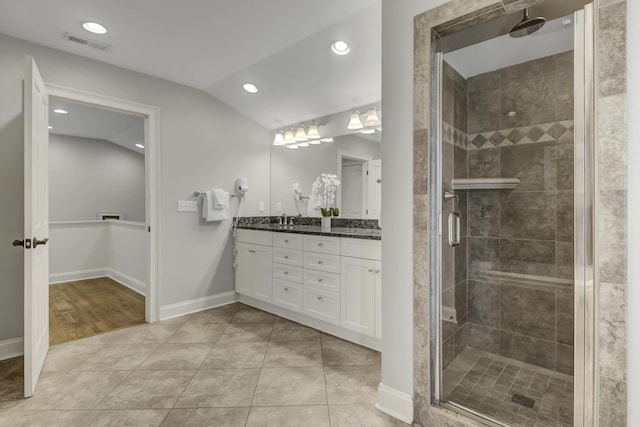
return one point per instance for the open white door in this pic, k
(375, 189)
(36, 225)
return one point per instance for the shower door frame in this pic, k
(585, 265)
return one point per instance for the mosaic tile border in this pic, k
(454, 136)
(561, 131)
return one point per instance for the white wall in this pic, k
(88, 176)
(204, 144)
(397, 189)
(305, 164)
(633, 295)
(82, 250)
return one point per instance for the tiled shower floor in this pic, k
(486, 383)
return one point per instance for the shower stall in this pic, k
(504, 187)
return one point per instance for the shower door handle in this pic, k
(454, 229)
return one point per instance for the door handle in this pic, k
(454, 229)
(26, 243)
(37, 242)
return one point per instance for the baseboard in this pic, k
(128, 281)
(195, 305)
(395, 403)
(77, 275)
(11, 348)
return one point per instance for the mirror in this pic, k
(354, 158)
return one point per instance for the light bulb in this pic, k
(278, 139)
(300, 134)
(372, 117)
(288, 136)
(355, 122)
(313, 132)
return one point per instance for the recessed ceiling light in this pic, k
(340, 47)
(250, 87)
(50, 127)
(60, 111)
(94, 27)
(139, 145)
(511, 114)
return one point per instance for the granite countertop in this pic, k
(354, 233)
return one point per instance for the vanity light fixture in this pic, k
(288, 136)
(60, 111)
(94, 27)
(278, 139)
(355, 122)
(139, 145)
(372, 117)
(301, 135)
(326, 139)
(313, 131)
(340, 47)
(250, 87)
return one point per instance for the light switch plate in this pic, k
(187, 206)
(279, 206)
(261, 206)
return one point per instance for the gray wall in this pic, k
(204, 144)
(87, 176)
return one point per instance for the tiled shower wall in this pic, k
(520, 250)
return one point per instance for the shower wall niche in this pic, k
(507, 289)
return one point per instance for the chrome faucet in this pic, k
(283, 219)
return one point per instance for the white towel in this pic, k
(220, 198)
(209, 210)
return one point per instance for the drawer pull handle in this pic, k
(371, 270)
(286, 273)
(319, 244)
(320, 280)
(286, 240)
(319, 298)
(252, 251)
(319, 262)
(286, 289)
(286, 257)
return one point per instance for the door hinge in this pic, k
(367, 173)
(148, 229)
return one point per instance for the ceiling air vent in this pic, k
(74, 38)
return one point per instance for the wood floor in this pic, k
(90, 307)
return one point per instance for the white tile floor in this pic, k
(230, 366)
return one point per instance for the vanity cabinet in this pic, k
(335, 280)
(253, 267)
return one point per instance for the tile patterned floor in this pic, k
(486, 383)
(229, 366)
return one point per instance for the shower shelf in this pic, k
(484, 183)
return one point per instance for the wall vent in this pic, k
(83, 41)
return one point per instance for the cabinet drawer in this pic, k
(255, 237)
(287, 241)
(322, 304)
(322, 262)
(287, 272)
(287, 295)
(287, 256)
(361, 248)
(321, 244)
(320, 279)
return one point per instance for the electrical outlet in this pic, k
(187, 206)
(279, 206)
(261, 206)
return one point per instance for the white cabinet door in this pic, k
(253, 271)
(358, 294)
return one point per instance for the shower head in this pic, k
(527, 26)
